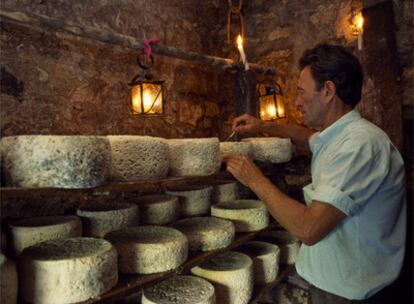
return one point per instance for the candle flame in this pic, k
(360, 22)
(239, 41)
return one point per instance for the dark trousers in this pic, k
(319, 296)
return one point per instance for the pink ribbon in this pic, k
(147, 47)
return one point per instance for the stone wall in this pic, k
(56, 83)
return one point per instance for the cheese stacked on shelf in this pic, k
(28, 232)
(229, 148)
(55, 161)
(231, 273)
(194, 156)
(158, 209)
(149, 249)
(206, 233)
(100, 218)
(180, 290)
(138, 157)
(67, 270)
(8, 281)
(225, 192)
(288, 244)
(265, 258)
(194, 200)
(247, 215)
(271, 149)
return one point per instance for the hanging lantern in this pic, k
(146, 93)
(271, 103)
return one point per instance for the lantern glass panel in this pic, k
(147, 98)
(281, 111)
(268, 107)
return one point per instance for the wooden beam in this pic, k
(48, 24)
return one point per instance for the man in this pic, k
(353, 224)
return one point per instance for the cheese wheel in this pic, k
(271, 149)
(247, 215)
(288, 244)
(8, 281)
(138, 157)
(231, 273)
(224, 192)
(28, 232)
(67, 270)
(55, 161)
(206, 233)
(180, 290)
(194, 156)
(158, 209)
(265, 258)
(100, 218)
(194, 200)
(230, 148)
(149, 249)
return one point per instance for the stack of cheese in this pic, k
(230, 148)
(194, 156)
(28, 232)
(67, 270)
(271, 149)
(225, 192)
(100, 218)
(55, 161)
(231, 273)
(180, 290)
(158, 209)
(265, 258)
(288, 244)
(149, 249)
(138, 157)
(193, 200)
(206, 233)
(247, 215)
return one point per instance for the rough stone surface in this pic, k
(247, 215)
(193, 200)
(67, 270)
(180, 290)
(55, 161)
(149, 249)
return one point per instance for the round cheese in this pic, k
(8, 281)
(149, 249)
(158, 209)
(231, 273)
(55, 161)
(229, 148)
(288, 244)
(193, 200)
(247, 215)
(271, 149)
(180, 290)
(265, 258)
(100, 218)
(224, 192)
(194, 156)
(28, 232)
(67, 270)
(206, 233)
(138, 157)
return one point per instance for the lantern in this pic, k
(271, 103)
(146, 93)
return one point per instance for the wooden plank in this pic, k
(47, 24)
(129, 284)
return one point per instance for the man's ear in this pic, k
(329, 90)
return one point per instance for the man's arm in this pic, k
(248, 124)
(310, 224)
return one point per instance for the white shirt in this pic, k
(356, 169)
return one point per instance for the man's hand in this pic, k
(247, 124)
(243, 169)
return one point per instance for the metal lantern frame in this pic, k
(143, 79)
(271, 88)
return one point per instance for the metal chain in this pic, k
(235, 10)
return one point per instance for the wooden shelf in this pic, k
(129, 284)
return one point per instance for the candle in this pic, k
(242, 54)
(360, 29)
(360, 41)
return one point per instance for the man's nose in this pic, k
(298, 102)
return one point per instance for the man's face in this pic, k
(309, 100)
